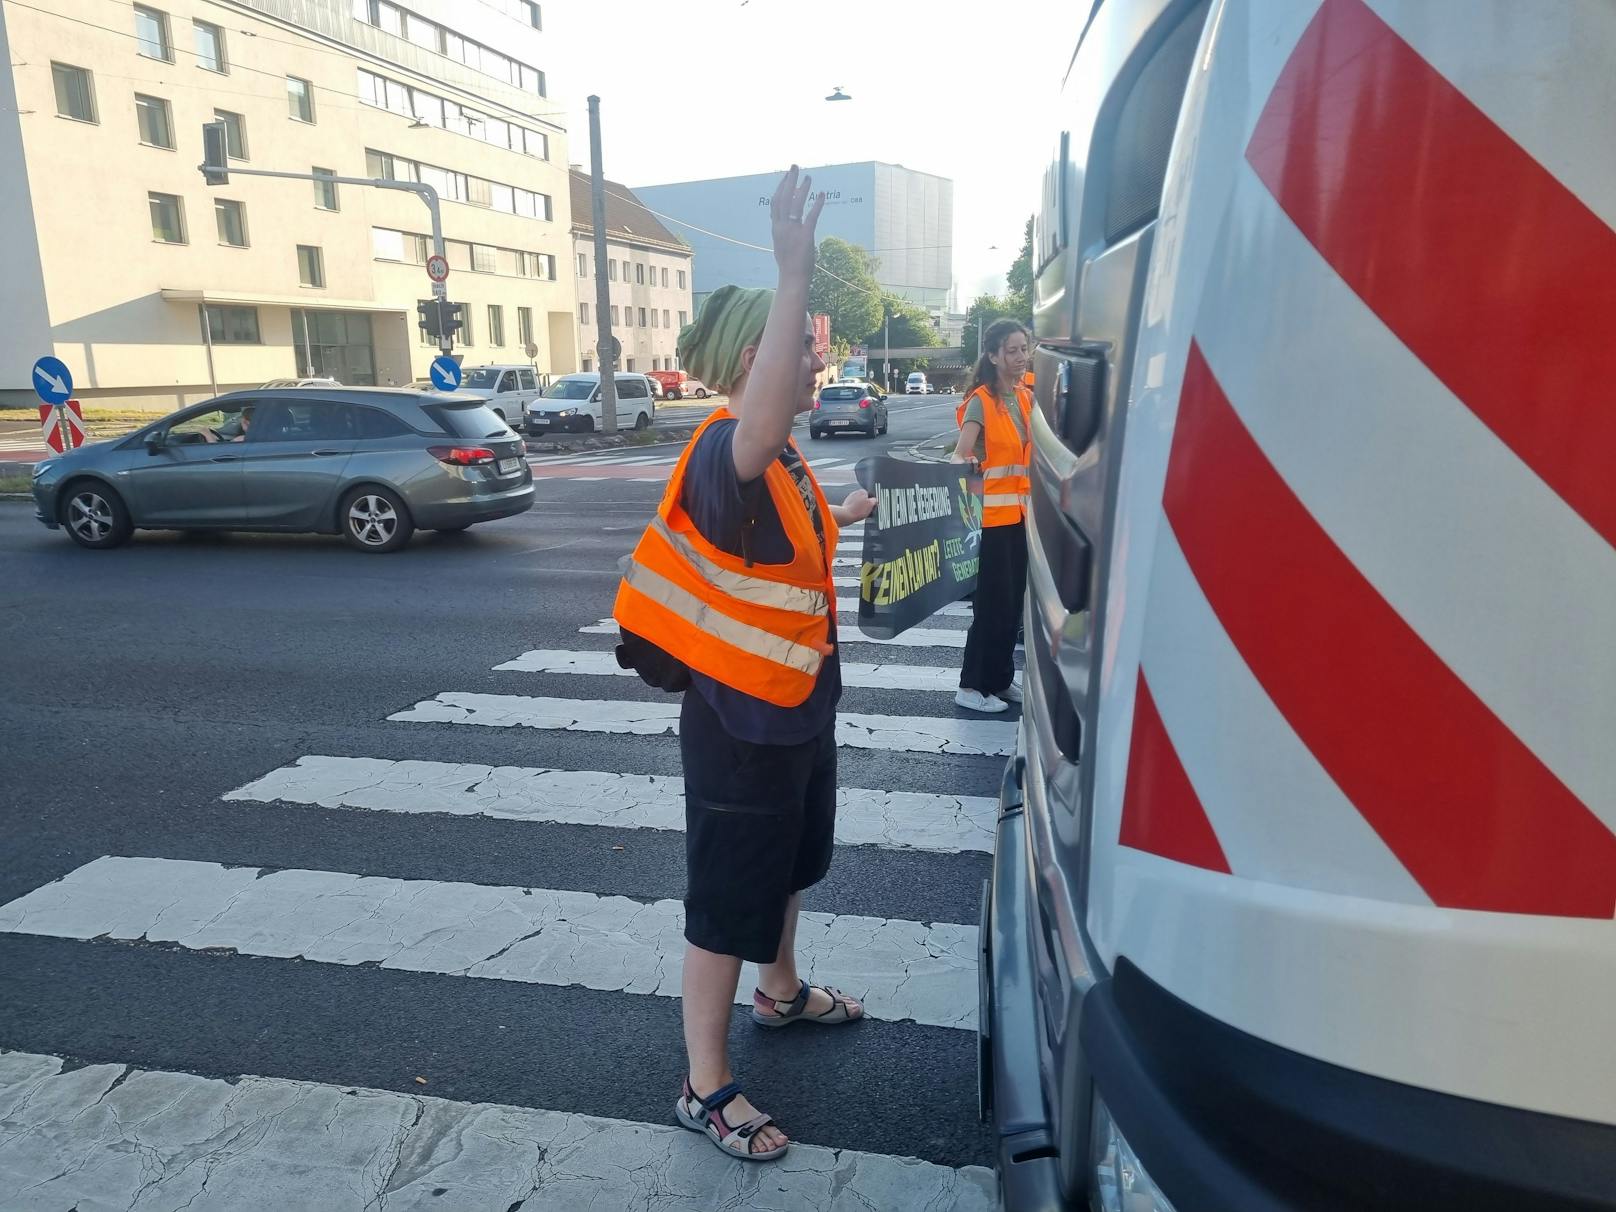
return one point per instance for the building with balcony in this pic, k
(157, 289)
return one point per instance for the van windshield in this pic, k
(570, 389)
(482, 376)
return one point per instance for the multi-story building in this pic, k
(649, 273)
(158, 289)
(903, 218)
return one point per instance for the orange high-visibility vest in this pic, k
(1028, 381)
(1006, 479)
(761, 629)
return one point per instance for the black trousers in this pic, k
(1001, 591)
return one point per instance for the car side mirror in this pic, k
(156, 441)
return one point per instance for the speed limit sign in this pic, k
(437, 268)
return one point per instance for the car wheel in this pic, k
(816, 434)
(642, 421)
(701, 393)
(375, 519)
(588, 425)
(95, 516)
(676, 395)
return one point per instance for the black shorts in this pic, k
(760, 823)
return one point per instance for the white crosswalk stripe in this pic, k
(540, 936)
(854, 674)
(105, 1136)
(915, 637)
(904, 734)
(900, 820)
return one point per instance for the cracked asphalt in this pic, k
(142, 685)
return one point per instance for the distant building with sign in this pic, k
(904, 218)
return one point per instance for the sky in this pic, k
(692, 89)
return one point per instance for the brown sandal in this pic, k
(796, 1010)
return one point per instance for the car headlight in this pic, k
(567, 412)
(1120, 1182)
(41, 468)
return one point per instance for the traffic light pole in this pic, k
(218, 174)
(605, 343)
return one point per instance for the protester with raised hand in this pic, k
(730, 593)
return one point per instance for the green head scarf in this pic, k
(732, 318)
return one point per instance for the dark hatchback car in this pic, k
(848, 408)
(371, 464)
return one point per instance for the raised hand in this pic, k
(794, 220)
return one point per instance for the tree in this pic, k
(1019, 278)
(911, 325)
(853, 303)
(983, 311)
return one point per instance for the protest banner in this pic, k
(921, 544)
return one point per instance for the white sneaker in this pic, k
(975, 700)
(1011, 693)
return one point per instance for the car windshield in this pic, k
(468, 420)
(841, 393)
(482, 376)
(570, 389)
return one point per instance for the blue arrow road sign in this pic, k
(445, 373)
(52, 380)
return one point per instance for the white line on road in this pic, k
(954, 610)
(108, 1136)
(894, 820)
(854, 730)
(915, 637)
(854, 674)
(539, 936)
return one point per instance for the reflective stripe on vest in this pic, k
(1006, 482)
(761, 629)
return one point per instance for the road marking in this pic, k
(539, 936)
(954, 610)
(647, 480)
(854, 674)
(854, 730)
(915, 637)
(893, 820)
(110, 1136)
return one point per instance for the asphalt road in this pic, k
(143, 684)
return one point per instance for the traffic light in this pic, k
(427, 310)
(453, 317)
(440, 318)
(215, 154)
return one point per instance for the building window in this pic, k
(232, 325)
(534, 17)
(642, 317)
(482, 262)
(210, 47)
(684, 319)
(583, 313)
(467, 336)
(653, 318)
(496, 324)
(681, 283)
(75, 92)
(155, 121)
(299, 99)
(630, 366)
(235, 133)
(639, 275)
(665, 318)
(325, 192)
(524, 326)
(151, 34)
(611, 270)
(310, 266)
(583, 265)
(167, 218)
(547, 267)
(614, 315)
(625, 271)
(231, 218)
(664, 277)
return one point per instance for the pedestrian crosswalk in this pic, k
(881, 937)
(622, 464)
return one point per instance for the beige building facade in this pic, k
(157, 289)
(649, 273)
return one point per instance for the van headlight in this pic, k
(567, 412)
(1120, 1182)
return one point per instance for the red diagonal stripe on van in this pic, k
(1467, 808)
(1488, 269)
(1160, 811)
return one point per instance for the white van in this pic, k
(572, 404)
(507, 389)
(916, 385)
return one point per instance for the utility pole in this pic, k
(886, 340)
(605, 345)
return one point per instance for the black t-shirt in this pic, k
(720, 506)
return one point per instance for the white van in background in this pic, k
(572, 404)
(916, 385)
(507, 389)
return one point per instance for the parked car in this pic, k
(848, 408)
(304, 382)
(916, 385)
(694, 387)
(370, 463)
(508, 390)
(572, 404)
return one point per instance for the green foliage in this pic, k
(910, 325)
(853, 304)
(1019, 278)
(985, 309)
